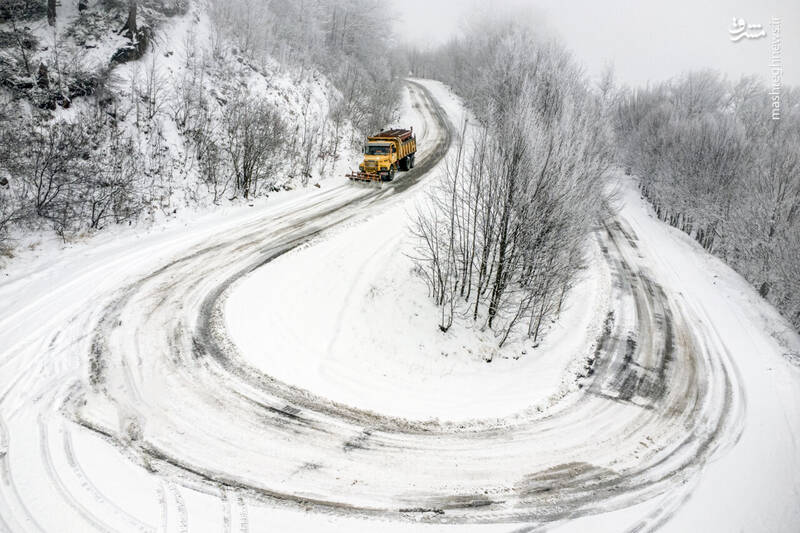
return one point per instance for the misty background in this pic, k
(644, 41)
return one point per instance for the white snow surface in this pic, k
(344, 318)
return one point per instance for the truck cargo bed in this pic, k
(402, 134)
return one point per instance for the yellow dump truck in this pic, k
(385, 153)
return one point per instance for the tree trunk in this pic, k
(499, 281)
(43, 77)
(21, 44)
(51, 12)
(130, 25)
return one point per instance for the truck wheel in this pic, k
(411, 161)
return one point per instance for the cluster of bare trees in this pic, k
(48, 67)
(501, 238)
(253, 137)
(350, 41)
(334, 38)
(236, 143)
(9, 212)
(716, 165)
(72, 174)
(89, 168)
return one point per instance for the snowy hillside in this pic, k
(196, 120)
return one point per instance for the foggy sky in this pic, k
(645, 41)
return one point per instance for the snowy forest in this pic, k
(714, 164)
(504, 241)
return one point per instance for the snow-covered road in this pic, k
(128, 402)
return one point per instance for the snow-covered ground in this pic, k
(278, 368)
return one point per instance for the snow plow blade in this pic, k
(365, 177)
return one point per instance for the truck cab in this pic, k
(379, 156)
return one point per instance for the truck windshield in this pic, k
(377, 149)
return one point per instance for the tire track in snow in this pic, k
(91, 488)
(206, 411)
(58, 482)
(180, 508)
(627, 388)
(9, 493)
(5, 476)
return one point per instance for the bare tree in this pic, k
(25, 42)
(253, 131)
(51, 12)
